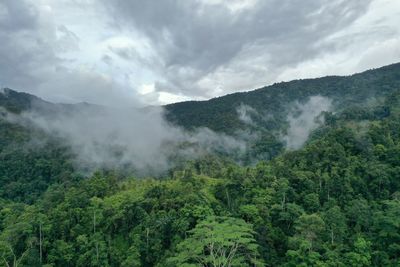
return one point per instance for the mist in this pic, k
(143, 142)
(245, 113)
(303, 118)
(125, 139)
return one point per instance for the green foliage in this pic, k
(218, 241)
(361, 255)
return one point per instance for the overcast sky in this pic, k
(161, 51)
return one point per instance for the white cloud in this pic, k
(233, 5)
(147, 89)
(166, 98)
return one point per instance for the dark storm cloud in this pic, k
(195, 38)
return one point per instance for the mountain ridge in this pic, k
(277, 85)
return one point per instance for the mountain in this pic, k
(327, 195)
(220, 113)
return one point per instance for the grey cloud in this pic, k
(17, 16)
(195, 39)
(71, 86)
(32, 59)
(25, 50)
(68, 41)
(107, 59)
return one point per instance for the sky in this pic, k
(128, 53)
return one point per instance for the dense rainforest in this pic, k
(333, 202)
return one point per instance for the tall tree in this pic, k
(218, 242)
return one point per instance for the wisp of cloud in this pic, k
(304, 118)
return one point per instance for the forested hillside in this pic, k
(333, 202)
(219, 114)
